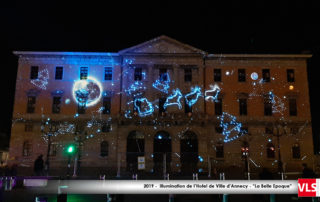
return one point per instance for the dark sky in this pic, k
(213, 26)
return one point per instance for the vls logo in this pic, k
(308, 187)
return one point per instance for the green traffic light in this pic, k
(70, 149)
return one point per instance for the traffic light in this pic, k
(70, 149)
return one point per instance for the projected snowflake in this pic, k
(87, 92)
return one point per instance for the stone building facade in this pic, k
(180, 108)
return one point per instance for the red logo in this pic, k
(307, 187)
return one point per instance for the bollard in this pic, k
(225, 196)
(171, 197)
(272, 198)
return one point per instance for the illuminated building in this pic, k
(162, 99)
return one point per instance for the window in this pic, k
(218, 129)
(138, 74)
(266, 75)
(106, 127)
(269, 130)
(31, 104)
(81, 108)
(56, 105)
(243, 131)
(217, 74)
(218, 107)
(106, 105)
(267, 107)
(53, 149)
(83, 73)
(34, 72)
(104, 147)
(163, 74)
(296, 151)
(137, 106)
(219, 151)
(243, 106)
(59, 73)
(28, 127)
(290, 75)
(294, 130)
(241, 75)
(292, 107)
(187, 108)
(108, 73)
(270, 150)
(27, 148)
(161, 105)
(187, 74)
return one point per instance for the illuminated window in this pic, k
(218, 107)
(163, 74)
(243, 106)
(290, 75)
(104, 147)
(161, 105)
(59, 73)
(34, 72)
(292, 107)
(27, 148)
(108, 73)
(296, 151)
(138, 74)
(106, 105)
(187, 108)
(187, 74)
(83, 73)
(217, 75)
(56, 105)
(270, 150)
(241, 75)
(31, 104)
(28, 127)
(219, 151)
(266, 75)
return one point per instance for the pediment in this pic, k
(162, 45)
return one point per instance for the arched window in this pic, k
(27, 148)
(270, 150)
(296, 151)
(104, 147)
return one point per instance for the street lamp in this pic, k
(277, 133)
(51, 129)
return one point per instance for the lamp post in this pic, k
(278, 134)
(51, 129)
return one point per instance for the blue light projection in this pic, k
(213, 93)
(87, 92)
(175, 95)
(42, 80)
(277, 104)
(231, 129)
(162, 84)
(135, 88)
(192, 97)
(147, 107)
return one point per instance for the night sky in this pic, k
(216, 27)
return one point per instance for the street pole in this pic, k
(48, 154)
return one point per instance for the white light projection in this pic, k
(87, 92)
(42, 80)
